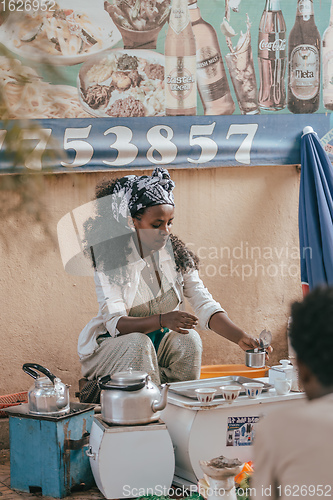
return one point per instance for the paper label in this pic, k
(180, 82)
(241, 430)
(304, 71)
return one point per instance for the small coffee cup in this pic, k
(205, 395)
(253, 389)
(282, 386)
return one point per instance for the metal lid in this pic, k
(256, 350)
(129, 377)
(43, 382)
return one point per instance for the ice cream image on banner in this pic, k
(93, 243)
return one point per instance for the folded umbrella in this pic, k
(315, 213)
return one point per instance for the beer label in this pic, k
(304, 72)
(179, 18)
(272, 45)
(212, 79)
(305, 9)
(180, 82)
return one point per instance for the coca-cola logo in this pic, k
(276, 45)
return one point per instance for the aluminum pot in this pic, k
(130, 398)
(255, 358)
(49, 396)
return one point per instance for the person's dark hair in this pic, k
(311, 333)
(112, 253)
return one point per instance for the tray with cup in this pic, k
(188, 388)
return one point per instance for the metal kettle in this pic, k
(49, 396)
(130, 397)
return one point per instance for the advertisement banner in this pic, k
(132, 84)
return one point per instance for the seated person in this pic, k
(143, 275)
(293, 447)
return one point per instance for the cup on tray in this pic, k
(205, 394)
(282, 386)
(230, 392)
(253, 389)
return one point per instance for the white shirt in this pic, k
(293, 452)
(116, 300)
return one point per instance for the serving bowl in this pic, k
(230, 392)
(253, 389)
(18, 22)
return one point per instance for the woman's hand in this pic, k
(179, 321)
(247, 342)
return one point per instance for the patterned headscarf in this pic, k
(133, 193)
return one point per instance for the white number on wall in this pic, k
(83, 149)
(33, 159)
(161, 144)
(3, 134)
(127, 152)
(208, 147)
(243, 152)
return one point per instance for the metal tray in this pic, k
(187, 388)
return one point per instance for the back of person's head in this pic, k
(311, 333)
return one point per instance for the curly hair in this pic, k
(112, 253)
(311, 333)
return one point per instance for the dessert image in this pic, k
(138, 15)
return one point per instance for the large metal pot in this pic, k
(130, 398)
(49, 396)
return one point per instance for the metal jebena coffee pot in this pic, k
(130, 397)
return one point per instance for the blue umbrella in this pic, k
(315, 213)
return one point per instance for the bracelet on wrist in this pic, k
(160, 319)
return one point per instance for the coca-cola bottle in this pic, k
(304, 61)
(272, 57)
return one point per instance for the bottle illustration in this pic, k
(241, 69)
(304, 61)
(272, 57)
(328, 64)
(180, 63)
(211, 76)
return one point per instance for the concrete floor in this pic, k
(7, 494)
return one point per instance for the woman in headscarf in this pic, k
(143, 274)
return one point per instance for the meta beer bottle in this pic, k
(180, 63)
(304, 61)
(272, 57)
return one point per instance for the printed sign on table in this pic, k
(241, 431)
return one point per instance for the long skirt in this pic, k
(178, 357)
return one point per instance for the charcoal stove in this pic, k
(48, 453)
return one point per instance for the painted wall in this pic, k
(241, 221)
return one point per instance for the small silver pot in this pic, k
(255, 358)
